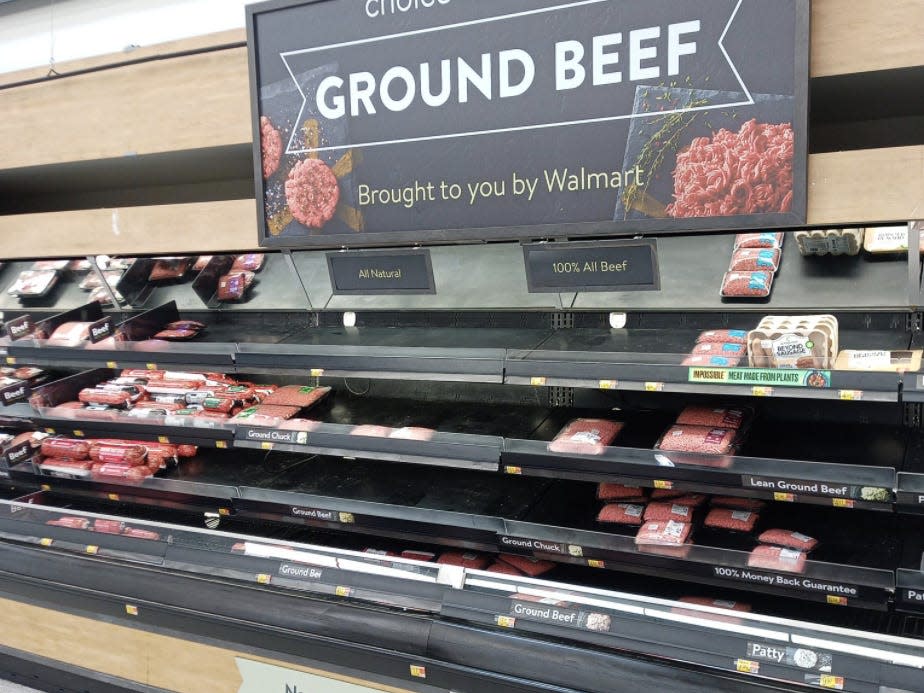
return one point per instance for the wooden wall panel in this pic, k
(845, 188)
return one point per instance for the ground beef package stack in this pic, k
(586, 436)
(756, 284)
(528, 565)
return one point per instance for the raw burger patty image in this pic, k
(312, 193)
(270, 146)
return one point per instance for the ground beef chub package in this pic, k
(735, 520)
(586, 436)
(301, 396)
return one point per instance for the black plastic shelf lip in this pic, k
(447, 450)
(476, 365)
(149, 429)
(910, 491)
(848, 385)
(199, 354)
(84, 538)
(913, 387)
(801, 478)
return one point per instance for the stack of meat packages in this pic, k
(103, 526)
(171, 394)
(108, 459)
(713, 433)
(718, 349)
(664, 519)
(754, 263)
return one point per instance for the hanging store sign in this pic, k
(395, 121)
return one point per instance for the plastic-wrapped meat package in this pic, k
(607, 491)
(711, 361)
(33, 283)
(666, 511)
(70, 333)
(412, 433)
(109, 398)
(169, 268)
(371, 431)
(503, 569)
(754, 259)
(136, 533)
(186, 450)
(777, 558)
(177, 335)
(621, 514)
(735, 503)
(276, 410)
(232, 287)
(201, 262)
(714, 417)
(666, 494)
(788, 539)
(251, 262)
(120, 472)
(118, 453)
(668, 538)
(62, 466)
(734, 520)
(70, 522)
(299, 425)
(46, 265)
(466, 559)
(723, 337)
(586, 436)
(65, 447)
(534, 567)
(718, 349)
(699, 439)
(766, 239)
(747, 284)
(301, 396)
(108, 526)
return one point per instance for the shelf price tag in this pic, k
(78, 433)
(593, 563)
(316, 372)
(151, 366)
(164, 440)
(92, 550)
(266, 446)
(654, 387)
(342, 591)
(575, 551)
(224, 512)
(842, 503)
(784, 497)
(418, 671)
(10, 360)
(221, 444)
(762, 391)
(131, 609)
(663, 484)
(833, 682)
(46, 487)
(505, 621)
(50, 431)
(111, 364)
(746, 666)
(513, 470)
(264, 579)
(347, 518)
(851, 395)
(609, 384)
(836, 600)
(537, 381)
(45, 541)
(113, 496)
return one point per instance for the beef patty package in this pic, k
(799, 341)
(777, 558)
(586, 436)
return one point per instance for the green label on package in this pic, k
(781, 377)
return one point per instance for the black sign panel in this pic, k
(592, 266)
(379, 122)
(101, 329)
(381, 272)
(20, 327)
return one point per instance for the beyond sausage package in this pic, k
(782, 341)
(829, 241)
(586, 436)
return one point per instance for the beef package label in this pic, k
(316, 514)
(101, 329)
(18, 392)
(299, 571)
(786, 580)
(561, 615)
(805, 488)
(790, 656)
(528, 546)
(20, 327)
(272, 435)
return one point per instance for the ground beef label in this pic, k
(381, 122)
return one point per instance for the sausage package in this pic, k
(829, 241)
(804, 341)
(586, 436)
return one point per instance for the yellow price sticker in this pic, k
(266, 446)
(513, 470)
(347, 518)
(575, 551)
(842, 503)
(746, 666)
(92, 550)
(593, 563)
(164, 440)
(111, 364)
(663, 484)
(834, 682)
(78, 433)
(609, 384)
(113, 496)
(418, 671)
(45, 541)
(224, 512)
(317, 372)
(654, 387)
(10, 361)
(46, 487)
(342, 591)
(836, 600)
(505, 621)
(151, 366)
(784, 497)
(221, 444)
(537, 382)
(131, 609)
(762, 391)
(264, 579)
(851, 395)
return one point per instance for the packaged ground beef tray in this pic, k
(766, 239)
(609, 491)
(719, 349)
(300, 396)
(734, 520)
(788, 539)
(621, 514)
(723, 337)
(533, 567)
(714, 417)
(466, 559)
(702, 439)
(711, 361)
(747, 284)
(777, 558)
(668, 511)
(753, 259)
(586, 436)
(670, 533)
